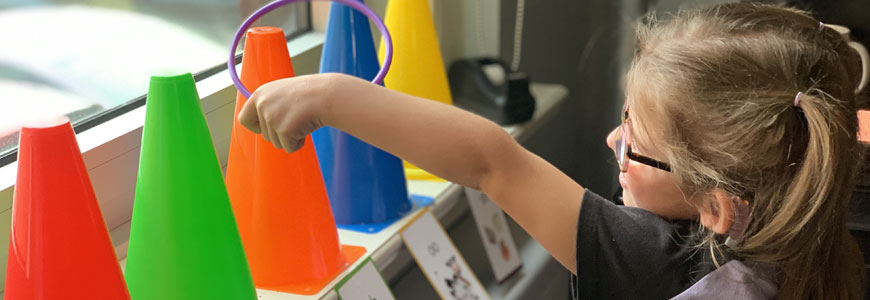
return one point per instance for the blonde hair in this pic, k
(720, 85)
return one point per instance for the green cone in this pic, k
(184, 243)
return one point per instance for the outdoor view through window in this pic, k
(80, 58)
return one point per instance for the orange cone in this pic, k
(59, 247)
(279, 199)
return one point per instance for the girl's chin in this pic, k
(627, 199)
(623, 181)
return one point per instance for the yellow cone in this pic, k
(417, 68)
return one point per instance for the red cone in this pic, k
(59, 247)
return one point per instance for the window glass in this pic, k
(82, 58)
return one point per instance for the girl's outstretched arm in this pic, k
(444, 140)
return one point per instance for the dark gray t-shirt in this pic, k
(630, 253)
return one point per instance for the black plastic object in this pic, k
(486, 87)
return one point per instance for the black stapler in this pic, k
(486, 87)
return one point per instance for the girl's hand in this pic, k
(285, 111)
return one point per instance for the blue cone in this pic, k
(365, 184)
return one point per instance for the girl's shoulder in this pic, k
(630, 253)
(734, 280)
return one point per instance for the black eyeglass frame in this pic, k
(623, 147)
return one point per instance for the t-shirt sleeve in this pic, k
(628, 253)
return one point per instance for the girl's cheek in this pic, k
(642, 185)
(635, 175)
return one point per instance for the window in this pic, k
(91, 60)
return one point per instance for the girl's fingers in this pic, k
(287, 143)
(275, 138)
(253, 114)
(249, 117)
(264, 126)
(299, 144)
(270, 135)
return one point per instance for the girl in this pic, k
(739, 116)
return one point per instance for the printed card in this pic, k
(439, 259)
(497, 239)
(364, 283)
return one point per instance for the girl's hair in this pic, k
(720, 85)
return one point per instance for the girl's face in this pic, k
(648, 187)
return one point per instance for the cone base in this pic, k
(413, 172)
(417, 202)
(350, 254)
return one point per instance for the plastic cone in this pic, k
(59, 246)
(183, 240)
(417, 68)
(279, 199)
(365, 184)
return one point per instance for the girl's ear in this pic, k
(718, 215)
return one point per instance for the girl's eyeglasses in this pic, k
(623, 149)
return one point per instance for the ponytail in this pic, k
(807, 232)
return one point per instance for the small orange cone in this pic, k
(59, 247)
(279, 199)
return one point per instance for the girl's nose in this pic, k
(611, 139)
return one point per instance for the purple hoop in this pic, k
(357, 5)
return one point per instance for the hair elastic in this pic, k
(797, 99)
